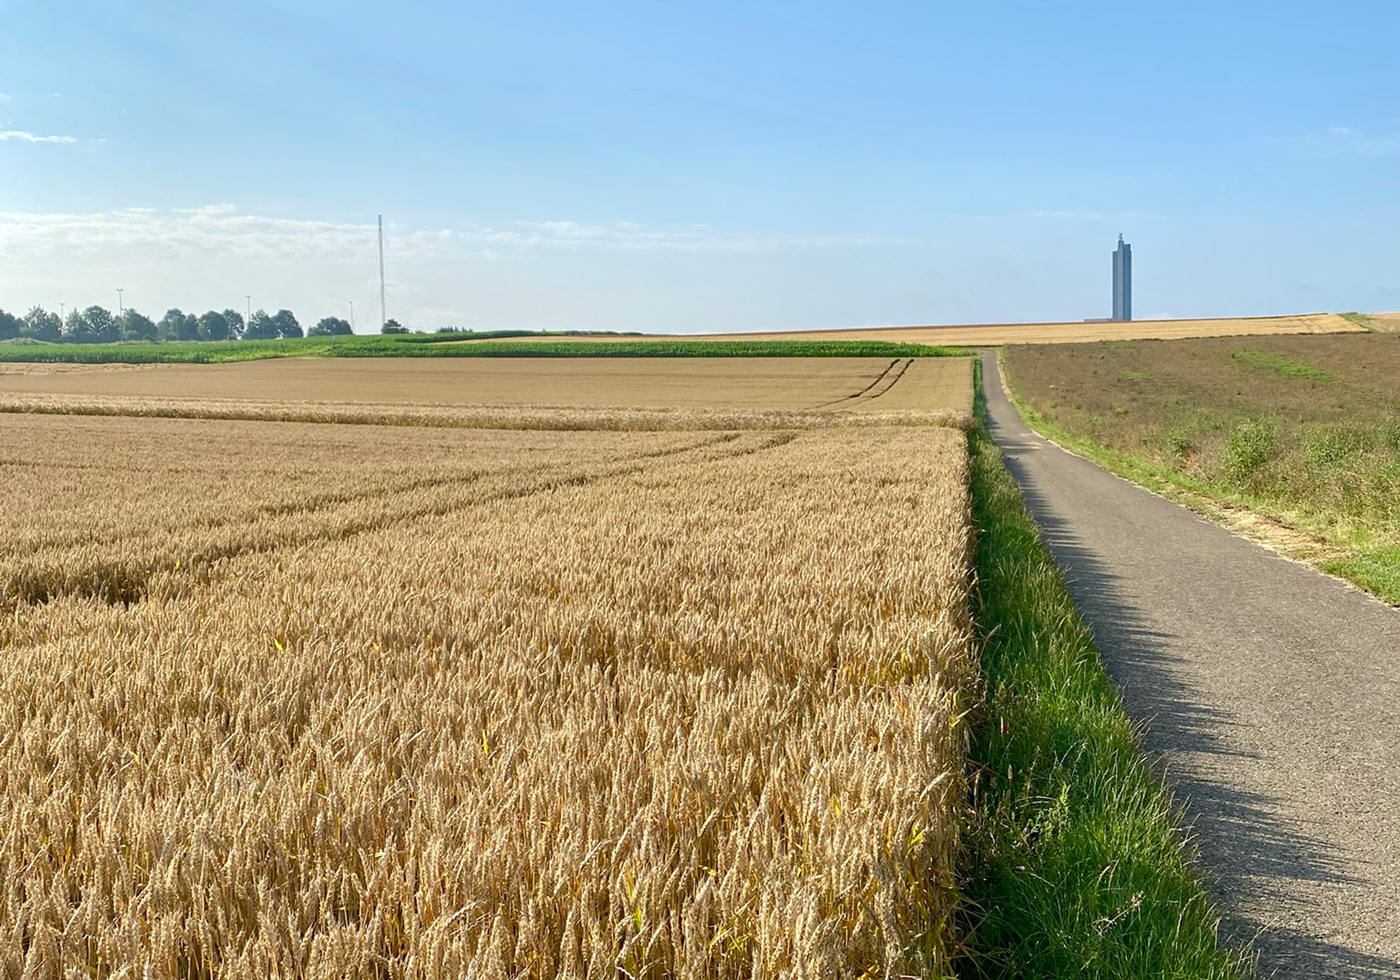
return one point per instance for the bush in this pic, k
(1181, 444)
(331, 326)
(1331, 447)
(1251, 446)
(1390, 433)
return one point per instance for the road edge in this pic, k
(1078, 863)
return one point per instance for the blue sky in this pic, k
(690, 167)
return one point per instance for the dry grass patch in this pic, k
(432, 702)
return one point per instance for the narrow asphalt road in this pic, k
(1270, 692)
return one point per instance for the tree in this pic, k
(169, 326)
(75, 328)
(286, 323)
(137, 326)
(260, 327)
(213, 326)
(42, 325)
(234, 319)
(102, 326)
(330, 326)
(392, 326)
(9, 325)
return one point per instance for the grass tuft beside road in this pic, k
(1078, 866)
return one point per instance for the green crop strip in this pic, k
(1285, 366)
(219, 352)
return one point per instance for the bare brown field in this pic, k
(735, 384)
(996, 334)
(359, 700)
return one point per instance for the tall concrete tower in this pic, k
(1123, 281)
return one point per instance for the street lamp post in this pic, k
(120, 309)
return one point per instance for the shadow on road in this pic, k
(1249, 854)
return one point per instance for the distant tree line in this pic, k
(96, 325)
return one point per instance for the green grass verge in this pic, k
(1376, 570)
(437, 345)
(1077, 861)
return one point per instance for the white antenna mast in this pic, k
(383, 316)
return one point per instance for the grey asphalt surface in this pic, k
(1271, 695)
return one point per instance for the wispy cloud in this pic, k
(1085, 216)
(1058, 214)
(6, 98)
(220, 231)
(1346, 140)
(27, 137)
(631, 237)
(217, 231)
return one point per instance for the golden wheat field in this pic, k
(731, 383)
(1073, 332)
(324, 700)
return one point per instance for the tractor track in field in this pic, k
(117, 583)
(1269, 695)
(864, 395)
(894, 380)
(853, 397)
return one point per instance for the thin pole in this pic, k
(352, 316)
(60, 311)
(383, 316)
(120, 308)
